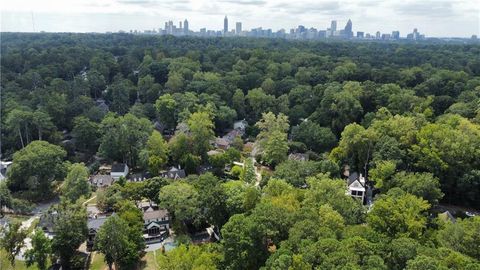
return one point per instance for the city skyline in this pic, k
(435, 18)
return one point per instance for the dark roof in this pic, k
(174, 173)
(118, 167)
(352, 178)
(137, 177)
(96, 223)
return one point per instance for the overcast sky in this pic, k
(440, 18)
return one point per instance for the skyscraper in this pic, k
(238, 28)
(333, 26)
(348, 29)
(185, 27)
(225, 25)
(396, 35)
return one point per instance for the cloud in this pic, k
(429, 8)
(311, 7)
(244, 2)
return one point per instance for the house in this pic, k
(156, 225)
(47, 221)
(447, 217)
(93, 226)
(174, 173)
(4, 165)
(147, 205)
(240, 125)
(138, 177)
(298, 157)
(119, 170)
(101, 180)
(159, 127)
(221, 143)
(356, 186)
(100, 103)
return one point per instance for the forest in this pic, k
(405, 115)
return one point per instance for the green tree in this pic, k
(155, 154)
(315, 137)
(41, 250)
(248, 173)
(201, 129)
(35, 167)
(423, 185)
(273, 137)
(190, 257)
(181, 199)
(356, 147)
(113, 241)
(324, 190)
(180, 145)
(86, 133)
(243, 243)
(399, 214)
(76, 183)
(12, 240)
(166, 107)
(70, 229)
(123, 137)
(5, 198)
(238, 103)
(462, 236)
(120, 91)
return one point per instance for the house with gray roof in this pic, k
(174, 173)
(93, 226)
(101, 180)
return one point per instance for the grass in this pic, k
(98, 262)
(19, 265)
(147, 262)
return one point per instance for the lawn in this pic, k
(147, 262)
(19, 265)
(98, 262)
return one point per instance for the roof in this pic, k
(298, 157)
(137, 177)
(101, 180)
(174, 173)
(96, 223)
(447, 216)
(221, 142)
(119, 167)
(352, 178)
(159, 126)
(157, 214)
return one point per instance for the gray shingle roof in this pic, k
(118, 167)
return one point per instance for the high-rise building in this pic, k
(333, 26)
(348, 29)
(396, 34)
(185, 27)
(225, 25)
(360, 35)
(377, 35)
(238, 28)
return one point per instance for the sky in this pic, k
(435, 18)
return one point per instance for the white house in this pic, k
(356, 186)
(3, 169)
(119, 170)
(240, 125)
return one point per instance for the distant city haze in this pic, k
(434, 18)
